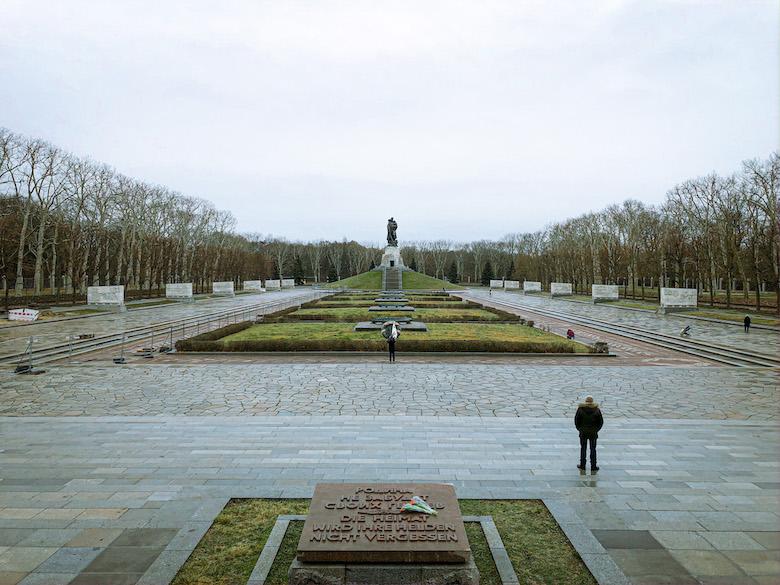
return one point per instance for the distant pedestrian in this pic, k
(391, 348)
(588, 421)
(747, 323)
(490, 292)
(569, 334)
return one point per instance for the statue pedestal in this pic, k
(392, 258)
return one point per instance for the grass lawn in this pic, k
(146, 304)
(419, 281)
(737, 316)
(354, 314)
(474, 336)
(367, 281)
(411, 281)
(540, 552)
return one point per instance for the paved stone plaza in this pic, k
(111, 474)
(115, 498)
(384, 389)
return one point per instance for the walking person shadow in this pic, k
(588, 420)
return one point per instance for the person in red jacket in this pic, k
(588, 421)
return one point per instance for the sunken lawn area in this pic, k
(539, 550)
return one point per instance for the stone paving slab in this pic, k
(672, 484)
(394, 389)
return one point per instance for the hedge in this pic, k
(408, 344)
(325, 317)
(212, 336)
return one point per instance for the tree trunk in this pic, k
(39, 249)
(19, 286)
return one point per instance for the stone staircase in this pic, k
(392, 278)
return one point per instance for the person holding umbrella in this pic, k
(391, 332)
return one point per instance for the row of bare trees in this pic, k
(68, 222)
(317, 261)
(713, 233)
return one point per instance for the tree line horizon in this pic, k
(69, 222)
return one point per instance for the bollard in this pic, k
(121, 358)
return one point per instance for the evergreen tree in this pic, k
(413, 265)
(332, 276)
(452, 273)
(487, 273)
(298, 273)
(372, 266)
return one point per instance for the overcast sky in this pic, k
(464, 120)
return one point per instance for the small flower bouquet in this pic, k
(417, 504)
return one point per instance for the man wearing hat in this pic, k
(588, 421)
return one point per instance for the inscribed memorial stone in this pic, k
(363, 523)
(679, 297)
(532, 286)
(223, 288)
(106, 295)
(605, 292)
(178, 290)
(560, 289)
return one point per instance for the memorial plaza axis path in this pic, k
(111, 474)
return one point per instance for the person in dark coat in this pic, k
(391, 348)
(588, 421)
(747, 323)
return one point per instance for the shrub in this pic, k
(406, 344)
(529, 322)
(212, 336)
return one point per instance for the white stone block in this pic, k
(605, 292)
(496, 284)
(106, 295)
(23, 315)
(560, 289)
(288, 283)
(223, 288)
(254, 285)
(178, 290)
(679, 297)
(273, 284)
(532, 286)
(511, 284)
